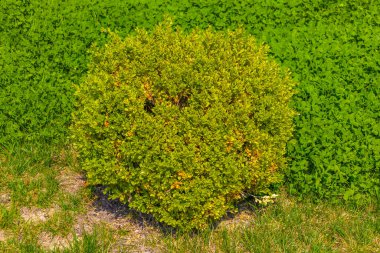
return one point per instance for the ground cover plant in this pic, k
(43, 48)
(334, 55)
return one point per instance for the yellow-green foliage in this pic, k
(181, 126)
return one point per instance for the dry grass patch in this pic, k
(5, 198)
(70, 182)
(134, 232)
(242, 219)
(36, 215)
(3, 235)
(375, 246)
(48, 241)
(140, 243)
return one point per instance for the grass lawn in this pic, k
(45, 206)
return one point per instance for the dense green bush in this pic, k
(182, 126)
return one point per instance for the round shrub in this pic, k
(182, 126)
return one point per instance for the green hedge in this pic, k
(332, 48)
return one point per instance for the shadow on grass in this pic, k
(142, 220)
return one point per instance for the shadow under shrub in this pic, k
(181, 126)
